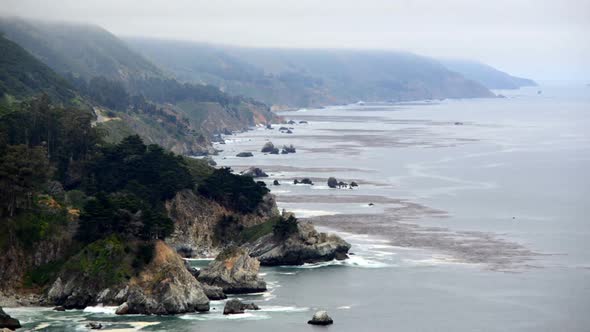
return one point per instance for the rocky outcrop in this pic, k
(8, 322)
(213, 292)
(303, 181)
(320, 318)
(235, 272)
(332, 182)
(196, 217)
(306, 245)
(269, 148)
(235, 306)
(94, 326)
(78, 291)
(245, 154)
(288, 149)
(255, 172)
(165, 286)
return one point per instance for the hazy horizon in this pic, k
(542, 40)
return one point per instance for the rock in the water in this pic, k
(283, 129)
(165, 286)
(306, 181)
(94, 326)
(255, 172)
(291, 122)
(306, 245)
(332, 182)
(289, 131)
(302, 122)
(270, 148)
(59, 308)
(235, 306)
(123, 309)
(354, 184)
(8, 322)
(192, 270)
(269, 126)
(235, 272)
(371, 204)
(245, 154)
(213, 292)
(320, 318)
(288, 149)
(276, 183)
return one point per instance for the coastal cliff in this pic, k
(162, 286)
(199, 221)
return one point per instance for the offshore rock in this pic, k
(235, 272)
(320, 318)
(304, 246)
(235, 306)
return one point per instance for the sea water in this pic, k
(479, 219)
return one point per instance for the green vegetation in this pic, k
(239, 193)
(199, 169)
(253, 233)
(284, 227)
(227, 229)
(106, 262)
(42, 275)
(22, 75)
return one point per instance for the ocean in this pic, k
(470, 215)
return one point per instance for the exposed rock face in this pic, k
(165, 287)
(304, 246)
(213, 292)
(123, 309)
(15, 261)
(235, 272)
(245, 154)
(78, 292)
(196, 218)
(255, 172)
(8, 322)
(235, 306)
(320, 318)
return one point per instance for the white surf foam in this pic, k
(101, 310)
(283, 309)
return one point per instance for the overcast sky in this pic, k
(541, 39)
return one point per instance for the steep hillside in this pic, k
(130, 94)
(22, 75)
(81, 50)
(297, 78)
(488, 76)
